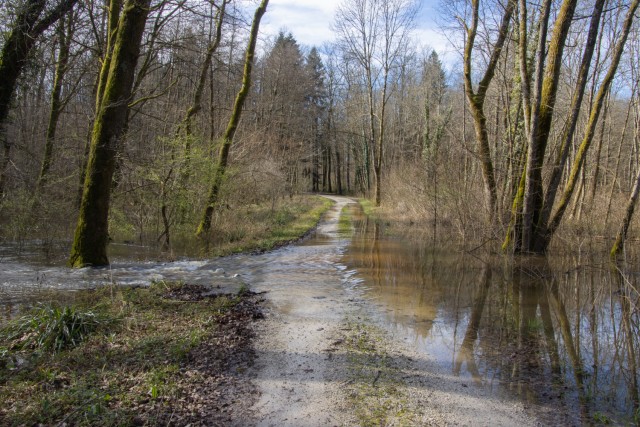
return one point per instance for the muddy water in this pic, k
(559, 333)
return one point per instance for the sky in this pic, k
(309, 21)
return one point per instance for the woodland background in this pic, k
(460, 150)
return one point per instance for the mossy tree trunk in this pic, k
(22, 36)
(536, 204)
(227, 139)
(105, 52)
(576, 102)
(92, 235)
(544, 98)
(476, 98)
(596, 108)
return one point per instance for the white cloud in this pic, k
(308, 20)
(310, 23)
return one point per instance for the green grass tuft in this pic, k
(52, 328)
(345, 228)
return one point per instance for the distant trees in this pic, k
(509, 128)
(372, 35)
(31, 19)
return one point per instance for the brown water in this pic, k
(560, 333)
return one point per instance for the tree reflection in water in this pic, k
(557, 332)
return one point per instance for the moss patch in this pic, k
(375, 390)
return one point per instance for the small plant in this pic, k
(601, 418)
(244, 289)
(52, 328)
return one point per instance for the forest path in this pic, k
(303, 369)
(296, 373)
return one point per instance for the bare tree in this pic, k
(373, 33)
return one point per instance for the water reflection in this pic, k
(560, 333)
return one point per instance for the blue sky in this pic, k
(310, 23)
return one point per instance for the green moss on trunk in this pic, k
(92, 234)
(227, 140)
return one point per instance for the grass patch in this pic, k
(120, 356)
(345, 227)
(375, 390)
(265, 227)
(368, 208)
(53, 328)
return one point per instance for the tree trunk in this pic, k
(541, 117)
(591, 125)
(92, 234)
(196, 105)
(576, 102)
(476, 98)
(227, 139)
(106, 51)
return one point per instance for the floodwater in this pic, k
(560, 333)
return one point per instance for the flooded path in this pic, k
(477, 342)
(309, 297)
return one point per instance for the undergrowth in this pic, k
(114, 358)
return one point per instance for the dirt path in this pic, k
(303, 368)
(298, 381)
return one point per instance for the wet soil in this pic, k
(214, 389)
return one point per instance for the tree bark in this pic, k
(92, 234)
(227, 139)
